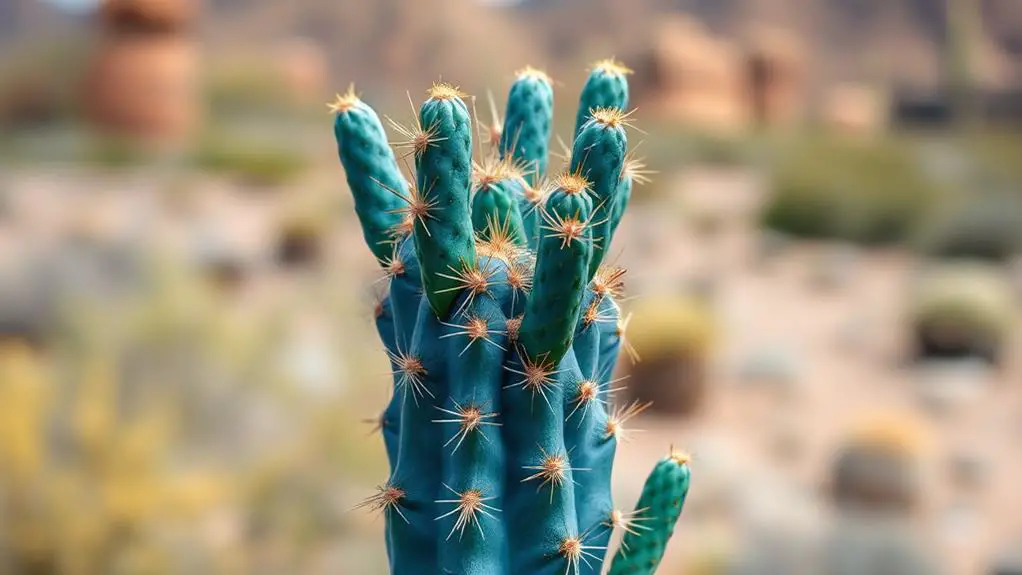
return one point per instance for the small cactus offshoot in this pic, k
(503, 330)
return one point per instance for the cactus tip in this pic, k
(344, 102)
(611, 66)
(445, 91)
(612, 117)
(573, 183)
(679, 457)
(533, 73)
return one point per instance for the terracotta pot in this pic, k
(145, 86)
(149, 15)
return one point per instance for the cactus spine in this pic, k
(498, 438)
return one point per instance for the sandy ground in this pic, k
(833, 315)
(836, 319)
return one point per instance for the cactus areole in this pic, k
(503, 331)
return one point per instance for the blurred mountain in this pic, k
(480, 41)
(403, 41)
(847, 39)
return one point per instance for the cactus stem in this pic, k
(476, 328)
(622, 334)
(468, 505)
(537, 377)
(615, 426)
(472, 279)
(386, 499)
(344, 102)
(552, 470)
(469, 418)
(576, 552)
(411, 374)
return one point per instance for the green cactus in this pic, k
(498, 436)
(963, 309)
(526, 134)
(660, 505)
(607, 87)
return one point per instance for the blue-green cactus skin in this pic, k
(444, 240)
(526, 133)
(606, 87)
(622, 196)
(497, 203)
(475, 355)
(598, 155)
(376, 185)
(475, 460)
(663, 497)
(538, 516)
(560, 280)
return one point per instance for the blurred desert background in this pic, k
(824, 270)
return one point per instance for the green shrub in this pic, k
(256, 162)
(867, 192)
(982, 226)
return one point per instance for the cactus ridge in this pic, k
(502, 330)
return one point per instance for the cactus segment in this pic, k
(495, 211)
(376, 183)
(656, 513)
(598, 156)
(526, 134)
(562, 262)
(606, 87)
(443, 236)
